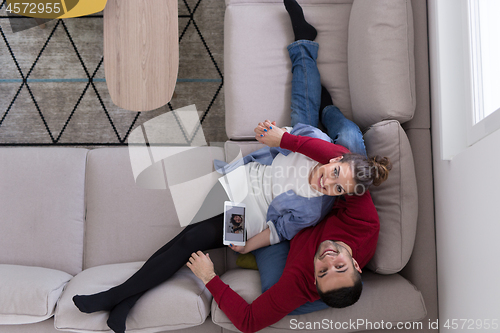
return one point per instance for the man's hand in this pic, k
(268, 133)
(201, 265)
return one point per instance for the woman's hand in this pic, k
(237, 248)
(201, 265)
(256, 242)
(269, 134)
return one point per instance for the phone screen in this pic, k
(234, 223)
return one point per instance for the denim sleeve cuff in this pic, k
(273, 237)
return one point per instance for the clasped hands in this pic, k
(268, 133)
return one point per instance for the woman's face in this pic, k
(237, 219)
(334, 178)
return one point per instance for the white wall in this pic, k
(467, 195)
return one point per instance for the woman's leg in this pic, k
(160, 267)
(118, 315)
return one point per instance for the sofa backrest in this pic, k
(381, 61)
(42, 207)
(126, 222)
(71, 209)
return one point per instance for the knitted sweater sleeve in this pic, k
(265, 310)
(317, 149)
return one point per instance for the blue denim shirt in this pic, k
(289, 212)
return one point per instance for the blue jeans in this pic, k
(306, 100)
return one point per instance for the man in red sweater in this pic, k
(324, 259)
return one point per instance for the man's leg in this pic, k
(343, 131)
(301, 28)
(306, 84)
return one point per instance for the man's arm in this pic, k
(267, 309)
(317, 149)
(357, 208)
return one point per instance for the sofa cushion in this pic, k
(42, 198)
(388, 298)
(181, 302)
(29, 294)
(396, 199)
(246, 282)
(381, 61)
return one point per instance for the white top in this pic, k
(257, 185)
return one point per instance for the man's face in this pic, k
(334, 266)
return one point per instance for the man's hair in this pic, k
(345, 296)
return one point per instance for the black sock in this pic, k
(301, 29)
(118, 316)
(102, 301)
(326, 100)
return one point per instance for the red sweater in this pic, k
(353, 221)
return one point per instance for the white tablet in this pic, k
(234, 223)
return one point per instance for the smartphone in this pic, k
(234, 223)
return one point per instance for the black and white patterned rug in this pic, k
(53, 90)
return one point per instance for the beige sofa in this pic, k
(74, 220)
